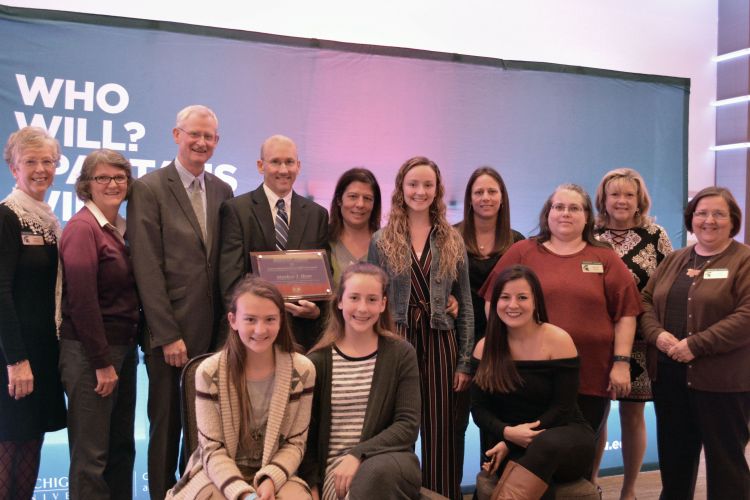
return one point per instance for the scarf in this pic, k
(35, 214)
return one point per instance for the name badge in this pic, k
(32, 239)
(715, 274)
(592, 267)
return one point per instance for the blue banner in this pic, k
(118, 83)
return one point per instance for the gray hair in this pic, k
(199, 109)
(29, 138)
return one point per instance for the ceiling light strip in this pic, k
(732, 55)
(725, 147)
(731, 100)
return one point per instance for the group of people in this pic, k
(429, 322)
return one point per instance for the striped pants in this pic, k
(436, 357)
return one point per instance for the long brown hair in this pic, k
(236, 352)
(588, 230)
(497, 371)
(395, 240)
(503, 233)
(336, 221)
(335, 327)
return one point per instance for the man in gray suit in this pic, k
(173, 230)
(249, 223)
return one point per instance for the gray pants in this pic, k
(394, 475)
(100, 430)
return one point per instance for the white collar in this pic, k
(187, 177)
(119, 224)
(273, 198)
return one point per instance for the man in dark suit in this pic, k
(249, 223)
(173, 230)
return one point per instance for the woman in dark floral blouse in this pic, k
(622, 203)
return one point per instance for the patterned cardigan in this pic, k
(217, 415)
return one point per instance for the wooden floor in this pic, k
(648, 486)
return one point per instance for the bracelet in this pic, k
(619, 357)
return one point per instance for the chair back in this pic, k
(187, 406)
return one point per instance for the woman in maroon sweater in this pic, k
(98, 334)
(589, 293)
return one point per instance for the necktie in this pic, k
(282, 225)
(196, 199)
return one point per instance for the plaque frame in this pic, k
(314, 262)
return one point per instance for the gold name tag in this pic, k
(592, 267)
(32, 239)
(715, 274)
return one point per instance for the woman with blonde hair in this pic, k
(622, 220)
(252, 406)
(365, 417)
(425, 259)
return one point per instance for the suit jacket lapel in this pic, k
(261, 210)
(178, 191)
(298, 222)
(213, 193)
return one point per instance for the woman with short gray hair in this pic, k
(31, 399)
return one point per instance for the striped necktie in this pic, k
(282, 225)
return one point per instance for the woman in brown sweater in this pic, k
(697, 322)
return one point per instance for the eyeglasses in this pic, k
(572, 209)
(197, 136)
(716, 214)
(288, 163)
(106, 179)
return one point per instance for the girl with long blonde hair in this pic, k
(426, 261)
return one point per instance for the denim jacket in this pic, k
(399, 290)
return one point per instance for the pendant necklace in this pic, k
(257, 426)
(694, 270)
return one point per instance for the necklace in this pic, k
(694, 269)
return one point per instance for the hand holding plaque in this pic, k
(298, 274)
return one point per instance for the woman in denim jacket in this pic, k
(426, 261)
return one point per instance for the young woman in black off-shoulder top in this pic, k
(525, 392)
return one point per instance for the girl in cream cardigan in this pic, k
(253, 402)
